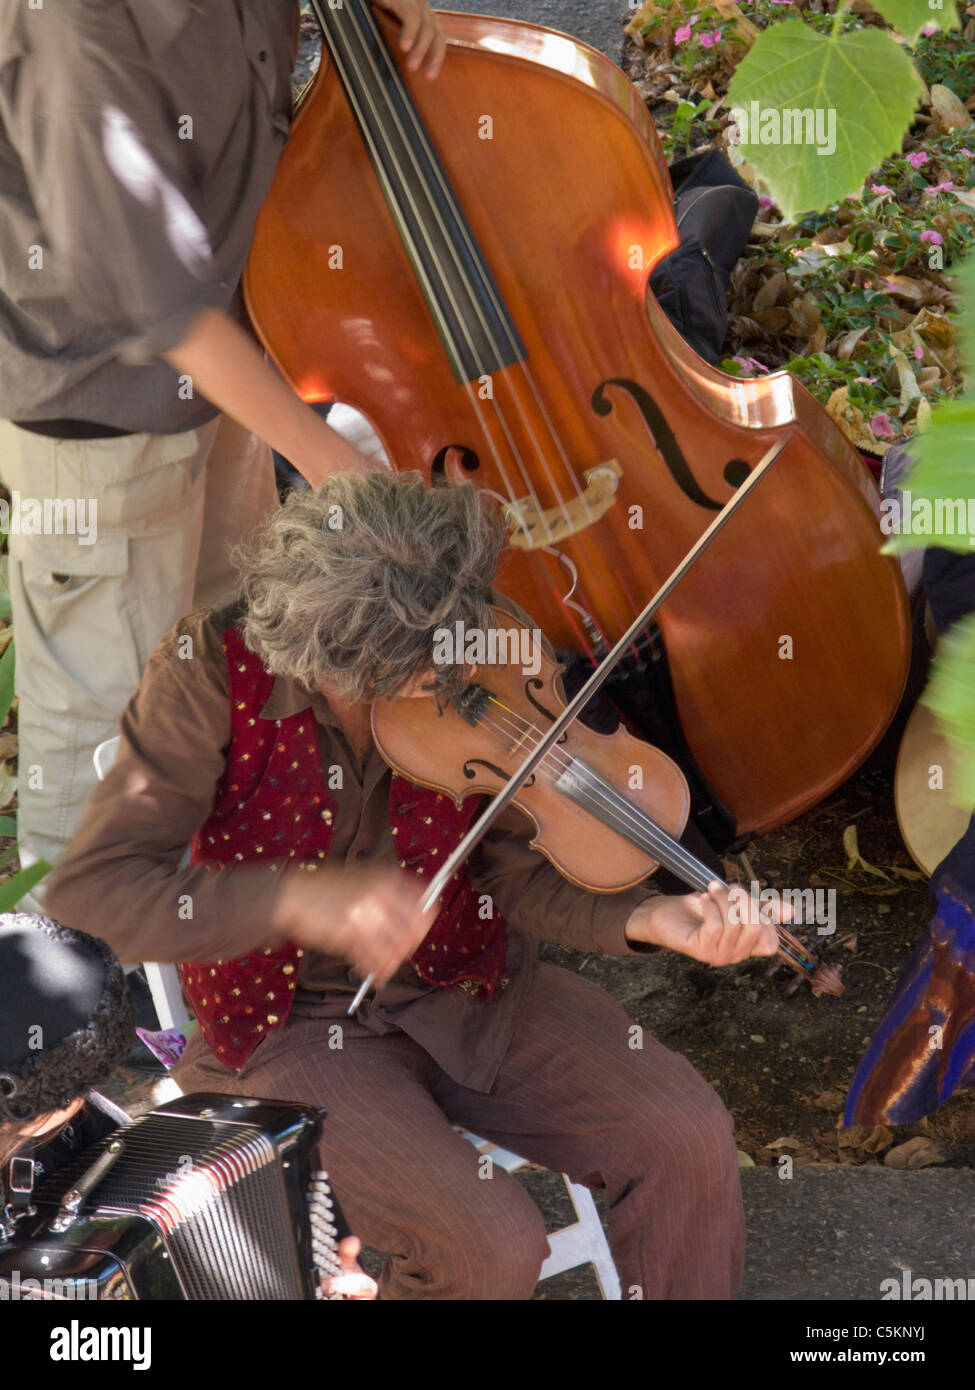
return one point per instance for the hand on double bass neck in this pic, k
(422, 37)
(718, 927)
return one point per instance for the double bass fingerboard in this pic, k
(464, 301)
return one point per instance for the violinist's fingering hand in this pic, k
(719, 927)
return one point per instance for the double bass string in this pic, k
(359, 18)
(360, 21)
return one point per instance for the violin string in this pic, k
(618, 811)
(623, 816)
(421, 136)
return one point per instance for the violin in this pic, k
(466, 262)
(607, 809)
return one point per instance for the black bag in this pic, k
(715, 210)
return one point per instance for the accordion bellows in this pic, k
(208, 1198)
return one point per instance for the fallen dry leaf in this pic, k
(854, 859)
(830, 1100)
(871, 1139)
(772, 320)
(816, 343)
(918, 1152)
(647, 11)
(788, 1141)
(904, 287)
(846, 345)
(850, 943)
(949, 108)
(770, 290)
(910, 391)
(732, 15)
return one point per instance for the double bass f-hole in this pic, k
(735, 470)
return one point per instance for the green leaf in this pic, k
(939, 491)
(850, 96)
(8, 826)
(910, 16)
(965, 285)
(943, 476)
(22, 882)
(951, 694)
(6, 681)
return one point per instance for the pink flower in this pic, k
(867, 380)
(918, 354)
(917, 159)
(709, 40)
(880, 189)
(934, 188)
(683, 34)
(935, 238)
(764, 203)
(882, 425)
(930, 29)
(969, 154)
(750, 364)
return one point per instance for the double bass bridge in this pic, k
(531, 527)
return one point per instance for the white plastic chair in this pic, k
(584, 1242)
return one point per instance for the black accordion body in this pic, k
(208, 1197)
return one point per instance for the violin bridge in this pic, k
(532, 527)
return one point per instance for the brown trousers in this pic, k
(572, 1095)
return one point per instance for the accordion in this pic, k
(208, 1197)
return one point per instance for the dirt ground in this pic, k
(782, 1062)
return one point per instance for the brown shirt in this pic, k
(121, 879)
(138, 139)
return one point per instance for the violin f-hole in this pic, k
(472, 764)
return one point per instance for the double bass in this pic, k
(465, 261)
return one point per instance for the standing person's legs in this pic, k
(408, 1184)
(585, 1091)
(88, 609)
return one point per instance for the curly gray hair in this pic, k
(348, 584)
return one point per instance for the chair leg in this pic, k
(583, 1243)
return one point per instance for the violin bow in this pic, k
(822, 978)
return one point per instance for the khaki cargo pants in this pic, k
(87, 617)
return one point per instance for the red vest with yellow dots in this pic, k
(272, 804)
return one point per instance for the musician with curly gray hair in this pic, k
(250, 738)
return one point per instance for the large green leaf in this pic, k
(910, 16)
(943, 476)
(939, 491)
(951, 694)
(22, 882)
(8, 826)
(6, 681)
(860, 90)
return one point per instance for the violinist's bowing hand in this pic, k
(422, 37)
(718, 927)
